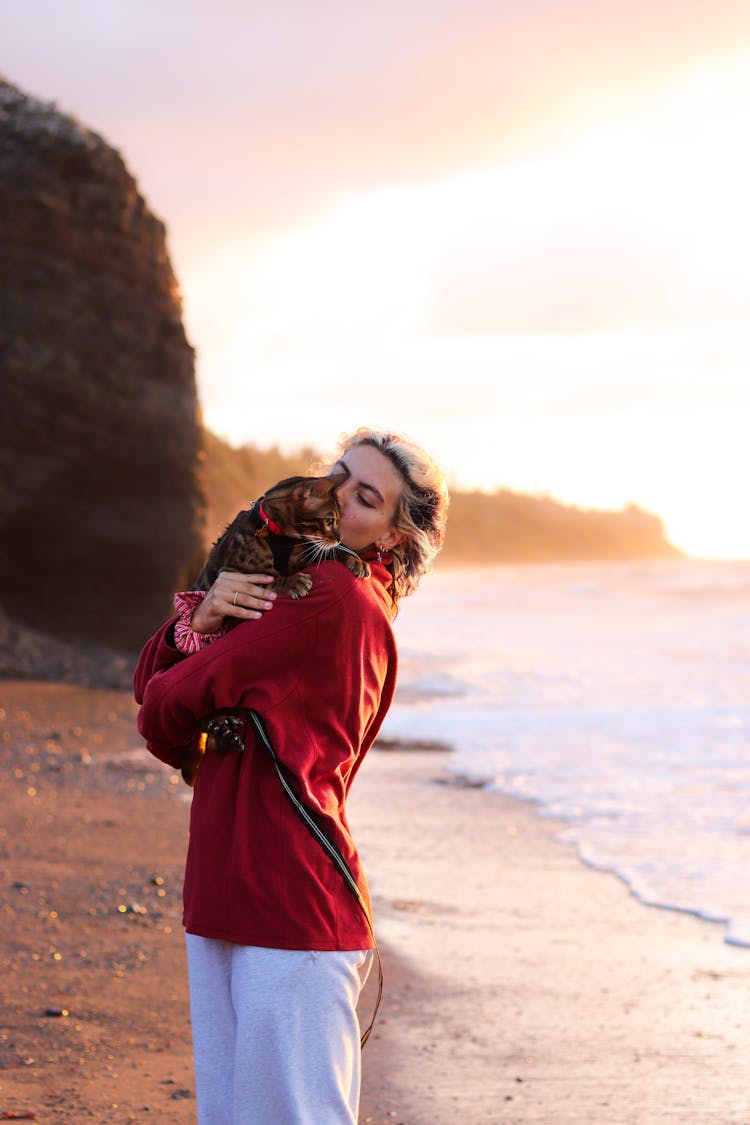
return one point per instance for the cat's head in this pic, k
(307, 507)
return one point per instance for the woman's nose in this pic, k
(342, 494)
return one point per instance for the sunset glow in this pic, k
(547, 284)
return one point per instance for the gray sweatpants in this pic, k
(275, 1033)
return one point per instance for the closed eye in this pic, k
(364, 502)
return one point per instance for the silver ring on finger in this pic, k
(236, 595)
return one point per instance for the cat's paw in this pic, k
(357, 566)
(351, 559)
(297, 585)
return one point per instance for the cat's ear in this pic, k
(299, 487)
(333, 480)
(324, 486)
(285, 487)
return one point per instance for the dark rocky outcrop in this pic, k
(100, 507)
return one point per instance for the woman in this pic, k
(278, 947)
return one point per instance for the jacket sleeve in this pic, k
(256, 664)
(157, 653)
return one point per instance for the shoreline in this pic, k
(530, 987)
(522, 986)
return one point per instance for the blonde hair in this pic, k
(422, 509)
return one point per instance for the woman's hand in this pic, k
(233, 595)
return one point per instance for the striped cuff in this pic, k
(186, 639)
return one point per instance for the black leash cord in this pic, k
(331, 850)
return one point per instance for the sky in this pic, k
(516, 231)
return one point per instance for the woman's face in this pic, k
(368, 497)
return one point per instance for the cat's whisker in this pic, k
(346, 550)
(317, 551)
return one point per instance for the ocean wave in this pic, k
(614, 696)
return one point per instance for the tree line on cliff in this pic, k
(483, 528)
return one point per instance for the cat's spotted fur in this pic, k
(294, 524)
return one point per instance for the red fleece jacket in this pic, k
(321, 672)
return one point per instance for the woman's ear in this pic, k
(392, 540)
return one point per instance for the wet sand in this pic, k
(530, 988)
(521, 987)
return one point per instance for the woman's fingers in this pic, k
(243, 596)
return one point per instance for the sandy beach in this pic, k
(520, 986)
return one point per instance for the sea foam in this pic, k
(612, 694)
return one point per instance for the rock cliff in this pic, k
(100, 506)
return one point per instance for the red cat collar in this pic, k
(272, 526)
